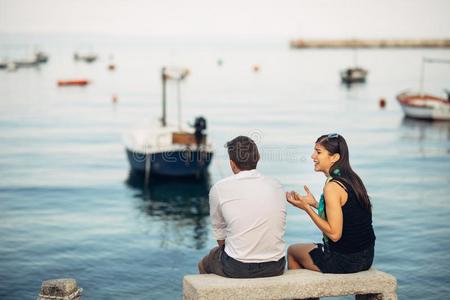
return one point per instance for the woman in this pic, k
(344, 215)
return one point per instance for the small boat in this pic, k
(420, 105)
(354, 75)
(166, 150)
(73, 82)
(88, 57)
(33, 61)
(424, 106)
(41, 57)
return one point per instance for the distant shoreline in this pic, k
(375, 43)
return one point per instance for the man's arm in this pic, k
(217, 220)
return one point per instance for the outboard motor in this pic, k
(199, 125)
(448, 94)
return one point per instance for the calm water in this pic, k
(70, 208)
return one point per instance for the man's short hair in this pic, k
(243, 152)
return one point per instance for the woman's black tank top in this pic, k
(357, 231)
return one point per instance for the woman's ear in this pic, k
(335, 157)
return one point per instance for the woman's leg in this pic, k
(299, 258)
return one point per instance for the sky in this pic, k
(230, 18)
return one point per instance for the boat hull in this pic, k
(177, 163)
(425, 107)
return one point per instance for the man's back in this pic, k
(248, 210)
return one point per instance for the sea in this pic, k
(71, 208)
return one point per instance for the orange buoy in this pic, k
(71, 82)
(382, 103)
(255, 68)
(114, 99)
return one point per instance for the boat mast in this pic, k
(163, 78)
(355, 57)
(179, 105)
(422, 75)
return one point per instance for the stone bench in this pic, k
(294, 284)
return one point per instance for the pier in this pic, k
(376, 43)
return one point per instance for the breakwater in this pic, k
(378, 43)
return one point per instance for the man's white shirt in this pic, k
(248, 211)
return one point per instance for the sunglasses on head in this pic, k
(332, 135)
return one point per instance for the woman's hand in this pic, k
(297, 200)
(309, 198)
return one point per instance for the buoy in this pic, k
(111, 67)
(255, 68)
(382, 103)
(219, 62)
(114, 99)
(79, 82)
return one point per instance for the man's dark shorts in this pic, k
(218, 262)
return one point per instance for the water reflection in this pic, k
(431, 136)
(426, 129)
(180, 205)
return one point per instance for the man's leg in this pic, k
(201, 265)
(211, 263)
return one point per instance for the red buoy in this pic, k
(77, 82)
(382, 103)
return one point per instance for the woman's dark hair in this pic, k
(335, 143)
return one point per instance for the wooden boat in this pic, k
(73, 82)
(166, 150)
(424, 106)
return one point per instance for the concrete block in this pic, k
(294, 284)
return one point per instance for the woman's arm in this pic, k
(332, 227)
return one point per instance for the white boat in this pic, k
(424, 106)
(420, 105)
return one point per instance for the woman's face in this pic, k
(322, 159)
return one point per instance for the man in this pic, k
(248, 216)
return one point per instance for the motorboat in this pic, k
(35, 60)
(87, 57)
(167, 150)
(354, 75)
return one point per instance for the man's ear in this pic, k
(234, 167)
